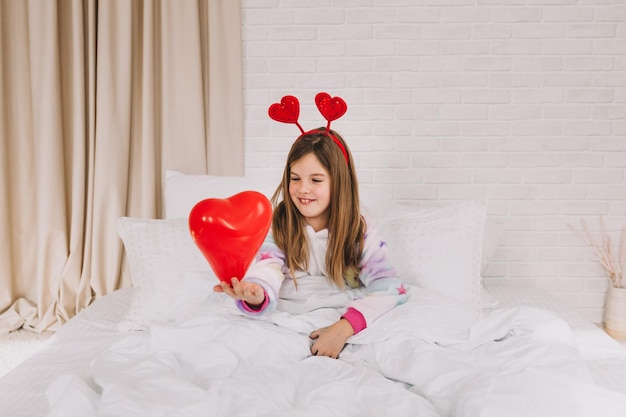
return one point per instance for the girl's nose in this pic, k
(305, 188)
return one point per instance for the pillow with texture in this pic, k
(183, 191)
(160, 253)
(438, 247)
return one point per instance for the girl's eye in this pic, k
(316, 180)
(294, 179)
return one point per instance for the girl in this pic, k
(318, 231)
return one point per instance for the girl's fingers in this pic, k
(236, 287)
(250, 291)
(239, 290)
(228, 290)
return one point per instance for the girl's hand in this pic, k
(329, 341)
(249, 292)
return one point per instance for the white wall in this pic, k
(521, 103)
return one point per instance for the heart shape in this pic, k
(287, 111)
(230, 231)
(332, 108)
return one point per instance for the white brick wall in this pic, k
(518, 102)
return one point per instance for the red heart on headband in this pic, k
(287, 111)
(332, 108)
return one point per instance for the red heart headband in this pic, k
(332, 108)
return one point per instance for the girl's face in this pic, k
(309, 189)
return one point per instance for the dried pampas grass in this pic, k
(612, 262)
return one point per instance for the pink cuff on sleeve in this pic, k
(356, 319)
(246, 306)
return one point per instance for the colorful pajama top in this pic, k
(381, 289)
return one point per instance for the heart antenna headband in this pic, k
(332, 108)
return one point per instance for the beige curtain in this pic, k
(97, 99)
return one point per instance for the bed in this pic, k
(169, 346)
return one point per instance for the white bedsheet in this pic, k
(429, 357)
(69, 350)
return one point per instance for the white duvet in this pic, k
(428, 357)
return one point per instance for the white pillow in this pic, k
(438, 247)
(160, 253)
(183, 191)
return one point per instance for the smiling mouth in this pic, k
(306, 200)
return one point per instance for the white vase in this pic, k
(615, 313)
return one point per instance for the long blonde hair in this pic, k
(346, 226)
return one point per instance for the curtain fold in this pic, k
(98, 99)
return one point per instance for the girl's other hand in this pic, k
(248, 292)
(329, 341)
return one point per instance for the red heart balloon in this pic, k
(230, 231)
